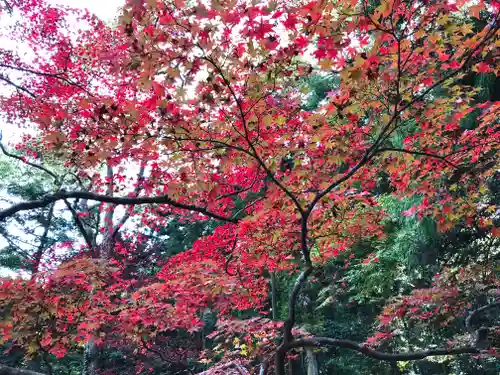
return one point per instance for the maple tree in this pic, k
(196, 110)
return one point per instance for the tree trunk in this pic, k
(89, 366)
(290, 366)
(312, 362)
(274, 296)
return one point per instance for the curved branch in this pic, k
(348, 344)
(290, 322)
(161, 199)
(419, 153)
(79, 225)
(140, 178)
(474, 313)
(37, 166)
(16, 86)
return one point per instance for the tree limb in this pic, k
(290, 322)
(419, 153)
(37, 166)
(41, 247)
(381, 137)
(79, 225)
(348, 344)
(7, 370)
(474, 313)
(16, 86)
(161, 199)
(137, 189)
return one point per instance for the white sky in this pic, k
(104, 9)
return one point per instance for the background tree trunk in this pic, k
(312, 362)
(274, 296)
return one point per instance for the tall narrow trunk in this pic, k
(89, 358)
(37, 257)
(104, 250)
(312, 362)
(274, 296)
(89, 366)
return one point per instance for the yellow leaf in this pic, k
(443, 20)
(419, 34)
(280, 120)
(181, 93)
(251, 49)
(267, 120)
(434, 38)
(173, 72)
(326, 64)
(32, 349)
(352, 108)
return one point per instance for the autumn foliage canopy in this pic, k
(195, 109)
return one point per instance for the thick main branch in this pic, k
(372, 353)
(161, 199)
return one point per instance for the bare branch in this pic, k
(348, 344)
(41, 247)
(420, 153)
(16, 86)
(8, 7)
(475, 313)
(161, 199)
(137, 189)
(79, 225)
(37, 166)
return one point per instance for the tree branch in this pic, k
(348, 344)
(290, 322)
(420, 153)
(41, 247)
(16, 86)
(474, 313)
(254, 153)
(37, 166)
(374, 148)
(6, 370)
(161, 199)
(137, 189)
(79, 225)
